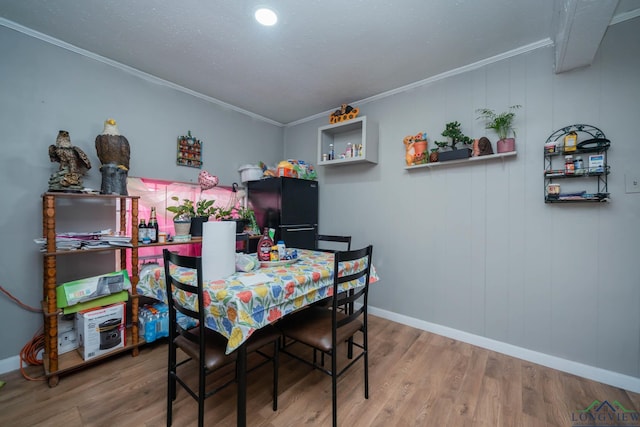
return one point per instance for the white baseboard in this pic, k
(611, 378)
(9, 364)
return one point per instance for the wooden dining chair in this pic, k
(320, 238)
(325, 328)
(201, 344)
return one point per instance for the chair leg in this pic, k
(276, 362)
(201, 392)
(365, 344)
(334, 388)
(171, 383)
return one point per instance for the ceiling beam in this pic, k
(580, 27)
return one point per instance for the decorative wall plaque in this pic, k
(189, 151)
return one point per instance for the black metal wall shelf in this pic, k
(591, 140)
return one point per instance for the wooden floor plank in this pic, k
(416, 379)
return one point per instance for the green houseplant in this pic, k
(502, 124)
(193, 213)
(454, 134)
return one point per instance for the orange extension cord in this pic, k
(29, 353)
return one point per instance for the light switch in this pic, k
(632, 183)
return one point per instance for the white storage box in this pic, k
(250, 173)
(101, 330)
(67, 334)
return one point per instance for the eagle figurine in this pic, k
(112, 147)
(73, 161)
(113, 151)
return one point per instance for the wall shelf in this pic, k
(355, 132)
(596, 180)
(468, 160)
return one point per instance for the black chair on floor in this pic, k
(320, 238)
(203, 345)
(325, 328)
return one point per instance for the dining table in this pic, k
(243, 302)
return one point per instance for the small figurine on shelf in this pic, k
(482, 147)
(415, 149)
(73, 164)
(346, 112)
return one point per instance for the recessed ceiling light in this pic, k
(266, 16)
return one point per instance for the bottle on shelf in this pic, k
(332, 152)
(569, 167)
(142, 230)
(264, 246)
(152, 227)
(349, 152)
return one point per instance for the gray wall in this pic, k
(474, 247)
(44, 88)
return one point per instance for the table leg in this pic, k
(241, 366)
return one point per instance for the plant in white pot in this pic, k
(502, 124)
(182, 216)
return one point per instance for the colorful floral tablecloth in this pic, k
(236, 310)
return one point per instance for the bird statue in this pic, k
(73, 164)
(111, 146)
(113, 152)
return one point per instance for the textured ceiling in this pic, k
(320, 54)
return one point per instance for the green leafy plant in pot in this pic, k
(182, 215)
(454, 134)
(502, 124)
(195, 214)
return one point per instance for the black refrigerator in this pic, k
(288, 205)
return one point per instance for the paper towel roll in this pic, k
(218, 249)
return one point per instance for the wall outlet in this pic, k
(632, 183)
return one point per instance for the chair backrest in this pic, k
(334, 239)
(359, 262)
(191, 296)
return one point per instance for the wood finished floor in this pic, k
(416, 379)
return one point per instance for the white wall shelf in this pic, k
(468, 160)
(356, 132)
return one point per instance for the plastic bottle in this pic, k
(282, 249)
(332, 152)
(569, 167)
(264, 246)
(349, 152)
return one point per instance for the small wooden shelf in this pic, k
(467, 160)
(356, 132)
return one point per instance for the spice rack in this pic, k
(594, 170)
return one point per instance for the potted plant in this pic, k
(193, 213)
(502, 124)
(454, 134)
(231, 214)
(182, 215)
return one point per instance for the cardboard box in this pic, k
(88, 289)
(98, 302)
(101, 330)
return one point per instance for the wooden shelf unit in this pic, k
(53, 363)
